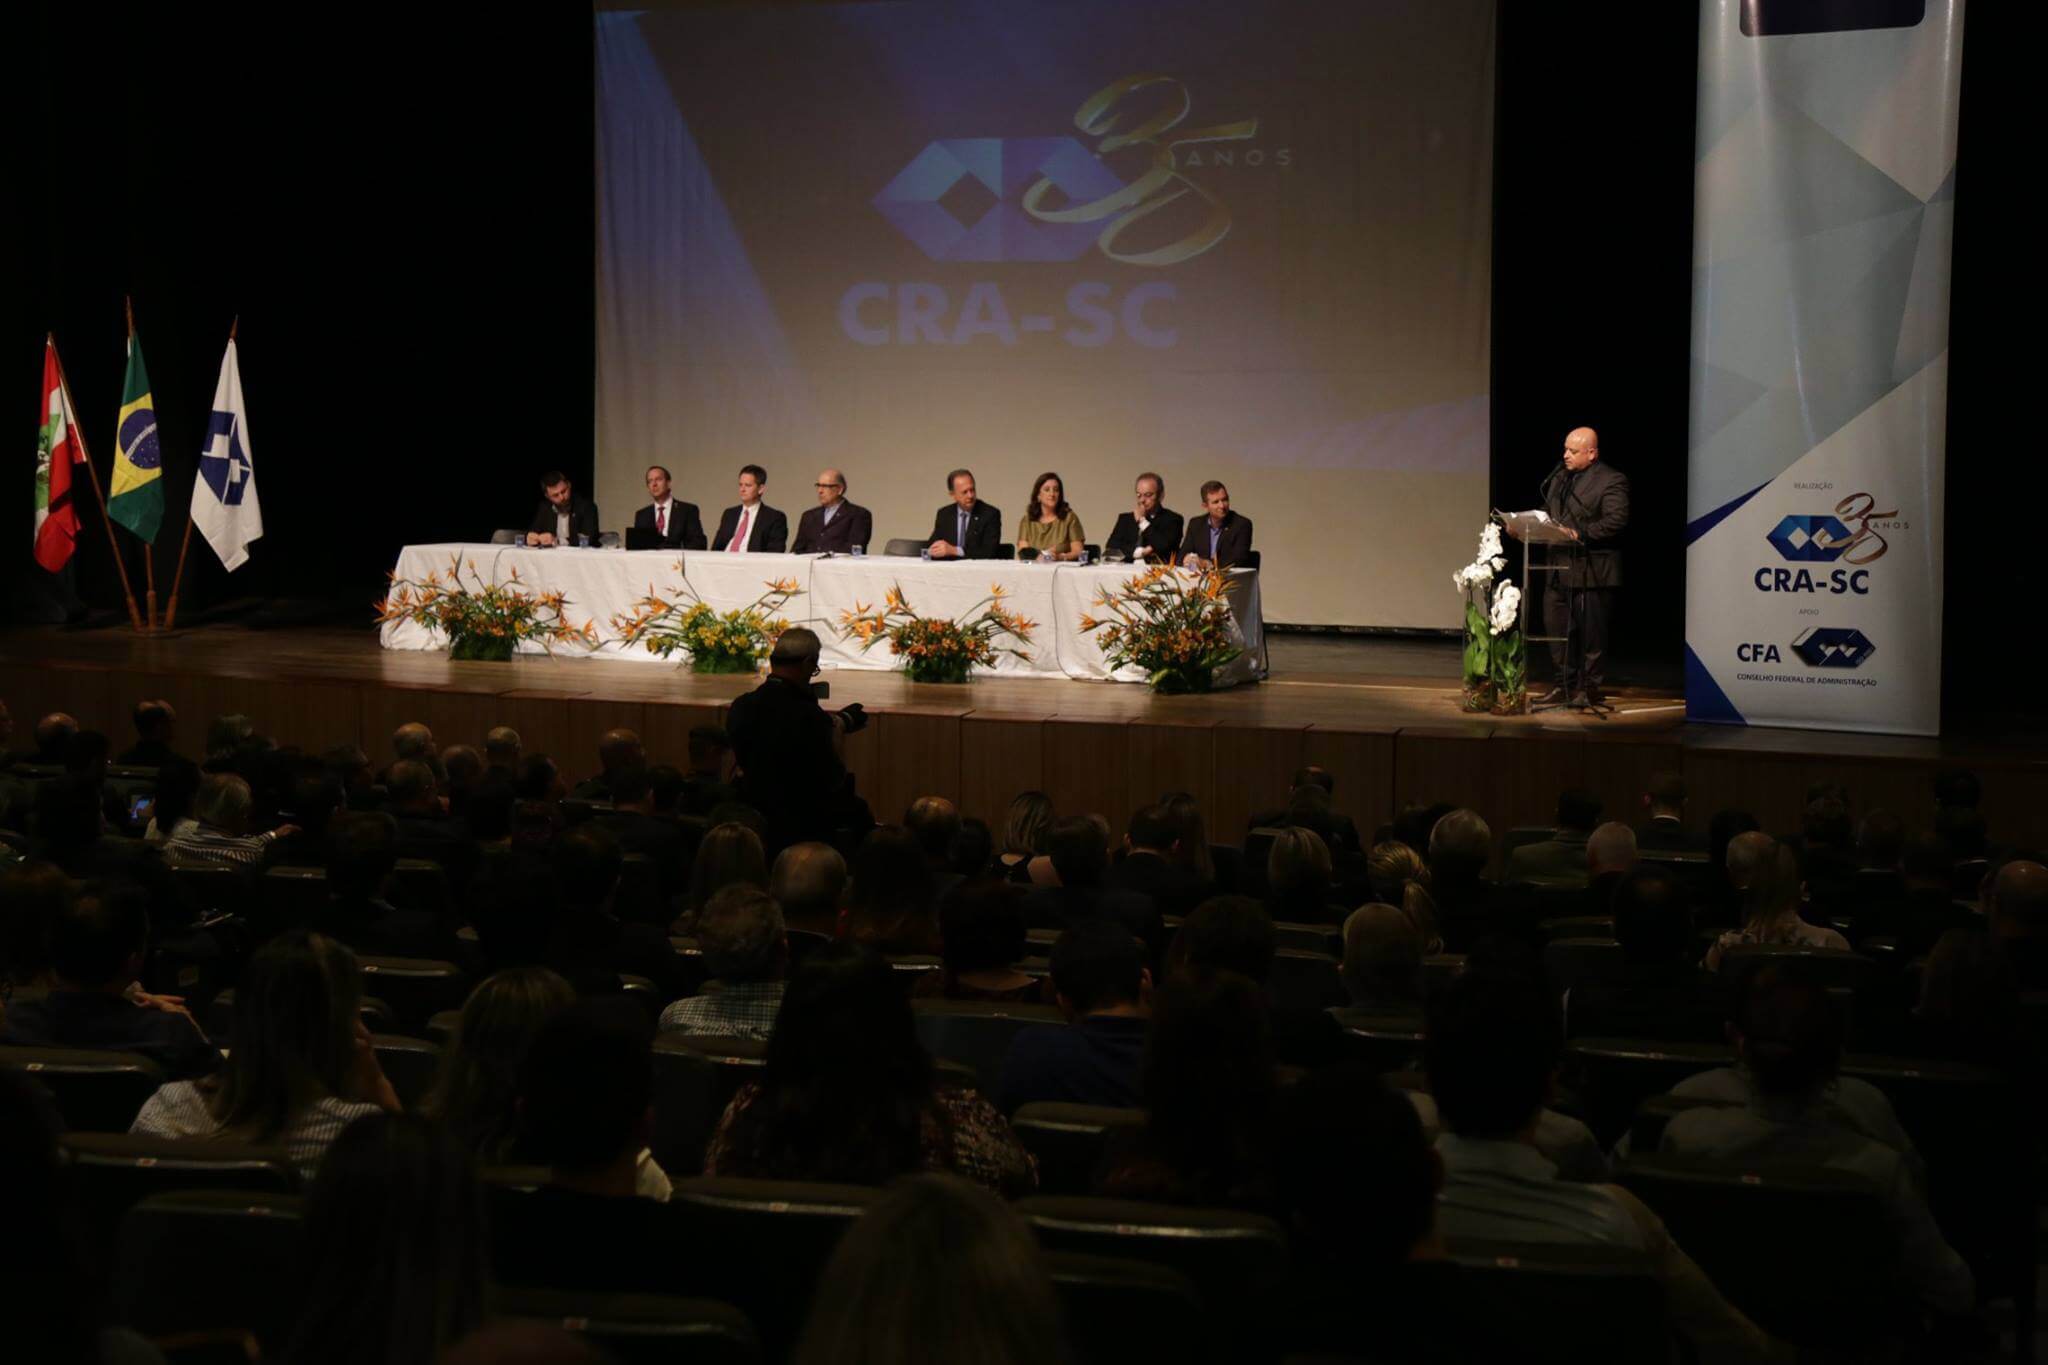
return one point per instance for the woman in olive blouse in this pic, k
(1048, 525)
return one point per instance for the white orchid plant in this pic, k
(1495, 664)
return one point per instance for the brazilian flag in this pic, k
(136, 498)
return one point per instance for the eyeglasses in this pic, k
(828, 485)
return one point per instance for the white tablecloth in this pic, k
(602, 584)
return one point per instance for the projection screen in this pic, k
(1243, 240)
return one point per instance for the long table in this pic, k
(601, 584)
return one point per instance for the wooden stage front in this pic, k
(1092, 746)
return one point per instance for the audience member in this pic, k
(1100, 982)
(1081, 893)
(807, 883)
(217, 834)
(746, 953)
(476, 1096)
(1766, 874)
(729, 854)
(616, 750)
(362, 851)
(933, 821)
(588, 942)
(1382, 968)
(1191, 840)
(848, 1093)
(939, 1270)
(1559, 860)
(1659, 991)
(970, 856)
(1396, 875)
(981, 939)
(1298, 878)
(1235, 934)
(397, 1257)
(708, 783)
(502, 748)
(1025, 828)
(1469, 908)
(156, 724)
(1151, 866)
(1662, 829)
(301, 1068)
(889, 899)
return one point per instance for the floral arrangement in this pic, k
(933, 648)
(484, 621)
(1508, 657)
(1473, 581)
(1173, 623)
(716, 641)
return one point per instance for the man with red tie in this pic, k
(674, 520)
(753, 526)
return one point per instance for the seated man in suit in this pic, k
(1664, 831)
(752, 527)
(1148, 532)
(969, 528)
(561, 516)
(1149, 868)
(1080, 859)
(1561, 859)
(674, 520)
(1222, 538)
(835, 525)
(1659, 991)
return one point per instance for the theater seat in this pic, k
(772, 1239)
(204, 891)
(1808, 1254)
(978, 1033)
(1069, 1141)
(1305, 981)
(212, 1261)
(642, 1329)
(639, 895)
(289, 897)
(909, 967)
(1570, 1303)
(1825, 966)
(1251, 863)
(1308, 938)
(95, 1092)
(1384, 1042)
(1613, 1076)
(1117, 1311)
(419, 884)
(1439, 968)
(694, 1079)
(415, 988)
(412, 1065)
(112, 1172)
(1569, 962)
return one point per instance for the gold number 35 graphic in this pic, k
(1158, 185)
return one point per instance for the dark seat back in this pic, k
(206, 891)
(112, 1172)
(414, 988)
(1308, 938)
(289, 897)
(212, 1261)
(773, 1238)
(1613, 1076)
(642, 1329)
(1571, 1303)
(978, 1033)
(1117, 1310)
(639, 895)
(95, 1091)
(1826, 966)
(1570, 962)
(1305, 981)
(412, 1065)
(1808, 1254)
(694, 1079)
(1069, 1141)
(1384, 1042)
(419, 884)
(1251, 863)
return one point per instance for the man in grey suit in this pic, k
(1589, 500)
(1560, 860)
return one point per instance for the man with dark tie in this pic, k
(1223, 538)
(967, 528)
(753, 527)
(669, 517)
(1148, 532)
(561, 516)
(1589, 500)
(835, 525)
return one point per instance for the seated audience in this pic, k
(708, 783)
(616, 750)
(970, 857)
(1492, 1050)
(933, 821)
(1469, 908)
(1191, 842)
(362, 850)
(1209, 1083)
(217, 834)
(1235, 934)
(848, 1092)
(1150, 865)
(1382, 968)
(1610, 853)
(981, 939)
(1559, 860)
(1663, 829)
(1299, 889)
(1396, 875)
(156, 724)
(311, 800)
(1025, 828)
(942, 1264)
(1081, 893)
(586, 1112)
(890, 897)
(1766, 875)
(1101, 984)
(746, 954)
(301, 1068)
(587, 941)
(476, 1096)
(1660, 991)
(729, 854)
(97, 946)
(425, 828)
(502, 747)
(1785, 1103)
(397, 1256)
(807, 882)
(640, 829)
(1309, 806)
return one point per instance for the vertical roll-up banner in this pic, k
(1824, 199)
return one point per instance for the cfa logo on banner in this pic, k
(1056, 199)
(1817, 647)
(1852, 534)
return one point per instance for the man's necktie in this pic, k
(1215, 534)
(661, 521)
(739, 536)
(960, 535)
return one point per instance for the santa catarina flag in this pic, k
(57, 451)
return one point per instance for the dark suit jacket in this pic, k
(851, 525)
(1231, 548)
(782, 740)
(582, 518)
(1593, 502)
(150, 753)
(1162, 536)
(1174, 888)
(685, 530)
(1558, 859)
(769, 534)
(1662, 835)
(984, 529)
(1062, 907)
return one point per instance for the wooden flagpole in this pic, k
(171, 614)
(78, 434)
(148, 547)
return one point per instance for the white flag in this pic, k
(224, 505)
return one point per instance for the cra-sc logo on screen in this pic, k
(1128, 197)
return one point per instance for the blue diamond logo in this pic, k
(1833, 647)
(1812, 539)
(1003, 168)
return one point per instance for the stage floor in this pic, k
(1382, 714)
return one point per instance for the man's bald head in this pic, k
(807, 881)
(1581, 448)
(2019, 900)
(1749, 854)
(619, 749)
(412, 740)
(1610, 848)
